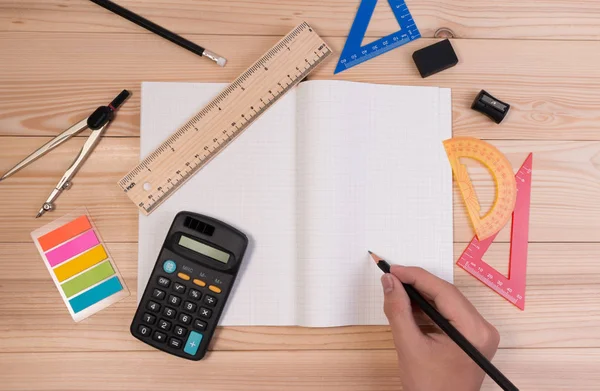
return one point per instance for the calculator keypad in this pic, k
(153, 306)
(164, 281)
(149, 319)
(159, 337)
(194, 294)
(180, 331)
(179, 288)
(200, 325)
(205, 313)
(164, 325)
(175, 343)
(144, 330)
(185, 318)
(174, 300)
(189, 306)
(169, 313)
(158, 294)
(177, 313)
(210, 301)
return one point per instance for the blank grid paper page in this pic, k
(372, 175)
(249, 185)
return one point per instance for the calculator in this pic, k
(189, 286)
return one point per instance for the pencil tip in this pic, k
(369, 251)
(375, 257)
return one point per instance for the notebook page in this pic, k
(249, 185)
(372, 174)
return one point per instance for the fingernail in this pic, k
(387, 282)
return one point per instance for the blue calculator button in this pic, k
(193, 342)
(169, 266)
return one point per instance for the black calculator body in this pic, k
(189, 285)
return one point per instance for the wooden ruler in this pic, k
(512, 288)
(207, 133)
(501, 170)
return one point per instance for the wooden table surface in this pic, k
(59, 59)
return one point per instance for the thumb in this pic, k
(398, 310)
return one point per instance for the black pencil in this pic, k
(455, 335)
(163, 32)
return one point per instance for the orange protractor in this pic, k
(501, 170)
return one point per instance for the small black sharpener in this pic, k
(435, 58)
(189, 286)
(490, 106)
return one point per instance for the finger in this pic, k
(398, 310)
(447, 298)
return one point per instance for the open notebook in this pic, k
(332, 170)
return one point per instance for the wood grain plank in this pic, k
(565, 195)
(360, 370)
(559, 294)
(539, 19)
(49, 81)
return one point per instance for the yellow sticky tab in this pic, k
(82, 262)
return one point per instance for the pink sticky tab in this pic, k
(74, 247)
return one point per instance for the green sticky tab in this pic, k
(88, 278)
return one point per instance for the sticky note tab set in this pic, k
(79, 264)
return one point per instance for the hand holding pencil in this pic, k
(435, 362)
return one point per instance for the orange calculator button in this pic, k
(199, 282)
(215, 289)
(183, 276)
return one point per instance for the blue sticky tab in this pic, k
(193, 342)
(97, 293)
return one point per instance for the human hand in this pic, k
(433, 362)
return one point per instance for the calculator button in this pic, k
(169, 312)
(180, 331)
(148, 318)
(164, 325)
(158, 294)
(210, 301)
(159, 337)
(183, 276)
(144, 330)
(169, 266)
(193, 342)
(175, 343)
(205, 312)
(174, 300)
(185, 318)
(199, 325)
(164, 281)
(194, 294)
(153, 306)
(199, 282)
(189, 306)
(215, 289)
(177, 287)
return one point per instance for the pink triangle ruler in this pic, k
(512, 288)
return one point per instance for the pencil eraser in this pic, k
(221, 61)
(435, 58)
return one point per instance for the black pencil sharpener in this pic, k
(490, 106)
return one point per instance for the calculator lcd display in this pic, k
(203, 249)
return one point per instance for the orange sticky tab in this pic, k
(64, 233)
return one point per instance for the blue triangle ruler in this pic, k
(354, 54)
